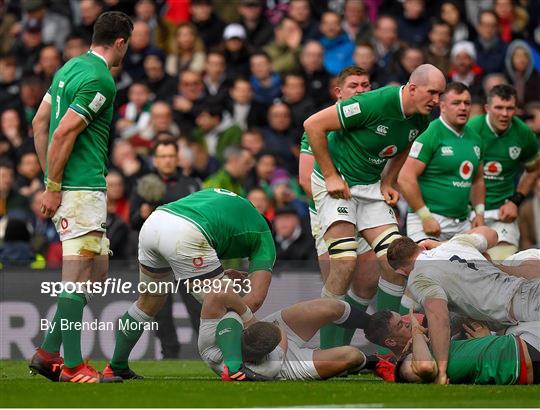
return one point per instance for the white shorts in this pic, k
(366, 209)
(168, 240)
(517, 258)
(507, 231)
(449, 227)
(80, 212)
(320, 244)
(528, 331)
(298, 363)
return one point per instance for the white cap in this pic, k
(463, 46)
(234, 30)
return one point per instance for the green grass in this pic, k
(191, 384)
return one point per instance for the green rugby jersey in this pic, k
(486, 360)
(452, 161)
(503, 156)
(230, 223)
(85, 85)
(373, 130)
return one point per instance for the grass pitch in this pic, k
(192, 384)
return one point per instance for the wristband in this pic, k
(247, 315)
(480, 209)
(423, 213)
(53, 186)
(517, 198)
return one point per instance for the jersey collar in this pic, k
(457, 134)
(99, 56)
(401, 101)
(493, 129)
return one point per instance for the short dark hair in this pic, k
(400, 251)
(110, 26)
(293, 73)
(261, 54)
(377, 328)
(503, 91)
(437, 21)
(482, 12)
(456, 87)
(164, 139)
(259, 340)
(348, 71)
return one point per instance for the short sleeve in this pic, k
(305, 148)
(530, 150)
(423, 287)
(479, 242)
(423, 148)
(351, 113)
(92, 98)
(263, 256)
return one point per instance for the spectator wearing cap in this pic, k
(490, 49)
(300, 11)
(241, 108)
(279, 138)
(265, 82)
(356, 22)
(292, 238)
(413, 25)
(294, 96)
(209, 26)
(160, 83)
(26, 49)
(236, 51)
(90, 11)
(338, 48)
(464, 68)
(284, 51)
(259, 31)
(212, 133)
(187, 52)
(238, 164)
(262, 202)
(215, 80)
(55, 27)
(190, 94)
(315, 75)
(139, 47)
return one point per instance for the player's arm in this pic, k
(481, 238)
(305, 168)
(259, 283)
(478, 196)
(509, 211)
(439, 332)
(216, 305)
(389, 177)
(40, 126)
(422, 362)
(261, 263)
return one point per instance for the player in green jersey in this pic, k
(350, 81)
(186, 240)
(509, 146)
(444, 172)
(71, 129)
(347, 189)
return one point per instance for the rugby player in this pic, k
(186, 240)
(444, 172)
(509, 145)
(71, 134)
(350, 81)
(349, 194)
(456, 276)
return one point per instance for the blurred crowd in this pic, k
(214, 94)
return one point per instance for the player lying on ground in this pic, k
(276, 346)
(186, 240)
(456, 276)
(482, 359)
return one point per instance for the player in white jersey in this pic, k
(456, 276)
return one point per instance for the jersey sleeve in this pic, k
(92, 98)
(351, 113)
(530, 150)
(305, 148)
(422, 287)
(263, 256)
(424, 147)
(479, 242)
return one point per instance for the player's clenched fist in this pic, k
(50, 202)
(431, 227)
(337, 187)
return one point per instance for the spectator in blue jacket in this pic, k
(338, 48)
(265, 82)
(490, 49)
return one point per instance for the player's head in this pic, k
(388, 329)
(352, 81)
(426, 84)
(113, 30)
(259, 340)
(402, 253)
(456, 104)
(501, 106)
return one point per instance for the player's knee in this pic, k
(342, 248)
(86, 245)
(352, 356)
(382, 242)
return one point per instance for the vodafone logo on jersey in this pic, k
(466, 169)
(492, 168)
(388, 151)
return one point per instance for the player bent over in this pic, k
(185, 240)
(71, 129)
(276, 346)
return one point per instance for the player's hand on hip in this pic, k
(391, 195)
(50, 202)
(337, 187)
(431, 227)
(508, 212)
(477, 221)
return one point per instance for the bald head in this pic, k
(422, 93)
(426, 74)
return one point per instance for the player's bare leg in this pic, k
(338, 360)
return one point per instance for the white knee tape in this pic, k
(326, 294)
(382, 242)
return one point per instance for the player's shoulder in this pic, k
(471, 133)
(477, 122)
(519, 127)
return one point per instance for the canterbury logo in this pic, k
(342, 210)
(222, 332)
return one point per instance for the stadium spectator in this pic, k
(236, 51)
(512, 19)
(45, 239)
(440, 41)
(386, 42)
(261, 176)
(529, 221)
(198, 163)
(10, 200)
(238, 164)
(241, 108)
(490, 49)
(464, 68)
(117, 202)
(355, 21)
(9, 81)
(29, 178)
(26, 48)
(139, 47)
(215, 81)
(300, 105)
(413, 25)
(261, 201)
(522, 73)
(410, 58)
(208, 24)
(32, 91)
(284, 51)
(300, 11)
(259, 31)
(253, 141)
(8, 24)
(338, 48)
(365, 58)
(452, 15)
(161, 30)
(161, 84)
(117, 217)
(55, 27)
(293, 240)
(279, 137)
(89, 11)
(285, 193)
(491, 80)
(190, 93)
(75, 45)
(134, 117)
(265, 82)
(49, 61)
(315, 75)
(187, 52)
(533, 117)
(13, 130)
(16, 249)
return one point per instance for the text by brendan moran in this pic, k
(95, 324)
